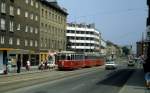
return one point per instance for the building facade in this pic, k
(27, 30)
(141, 48)
(83, 38)
(103, 47)
(52, 28)
(19, 31)
(113, 50)
(6, 30)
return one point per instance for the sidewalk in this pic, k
(135, 84)
(33, 69)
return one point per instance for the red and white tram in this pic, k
(70, 61)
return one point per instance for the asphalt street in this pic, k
(97, 81)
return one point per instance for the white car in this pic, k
(110, 65)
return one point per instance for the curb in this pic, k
(24, 73)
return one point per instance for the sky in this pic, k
(119, 21)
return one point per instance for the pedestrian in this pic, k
(141, 61)
(146, 68)
(18, 66)
(28, 65)
(41, 65)
(45, 63)
(147, 79)
(9, 65)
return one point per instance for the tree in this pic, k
(126, 50)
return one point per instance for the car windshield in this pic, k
(112, 62)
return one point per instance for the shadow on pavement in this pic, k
(130, 77)
(137, 79)
(117, 78)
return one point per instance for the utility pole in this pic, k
(146, 66)
(142, 44)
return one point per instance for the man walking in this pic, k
(18, 64)
(28, 65)
(146, 67)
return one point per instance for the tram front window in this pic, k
(62, 57)
(50, 59)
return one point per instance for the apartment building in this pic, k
(52, 28)
(6, 30)
(83, 38)
(19, 31)
(27, 30)
(103, 47)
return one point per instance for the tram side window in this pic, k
(72, 57)
(79, 57)
(89, 57)
(63, 57)
(68, 58)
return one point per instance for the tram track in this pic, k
(24, 82)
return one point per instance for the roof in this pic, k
(54, 4)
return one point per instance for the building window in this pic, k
(18, 11)
(36, 5)
(31, 29)
(18, 27)
(46, 14)
(3, 7)
(11, 10)
(49, 15)
(26, 14)
(3, 24)
(27, 1)
(36, 18)
(26, 29)
(31, 2)
(31, 16)
(31, 43)
(36, 30)
(10, 40)
(2, 40)
(42, 24)
(11, 26)
(41, 40)
(42, 12)
(18, 41)
(26, 42)
(36, 43)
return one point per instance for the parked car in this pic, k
(110, 65)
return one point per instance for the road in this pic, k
(97, 80)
